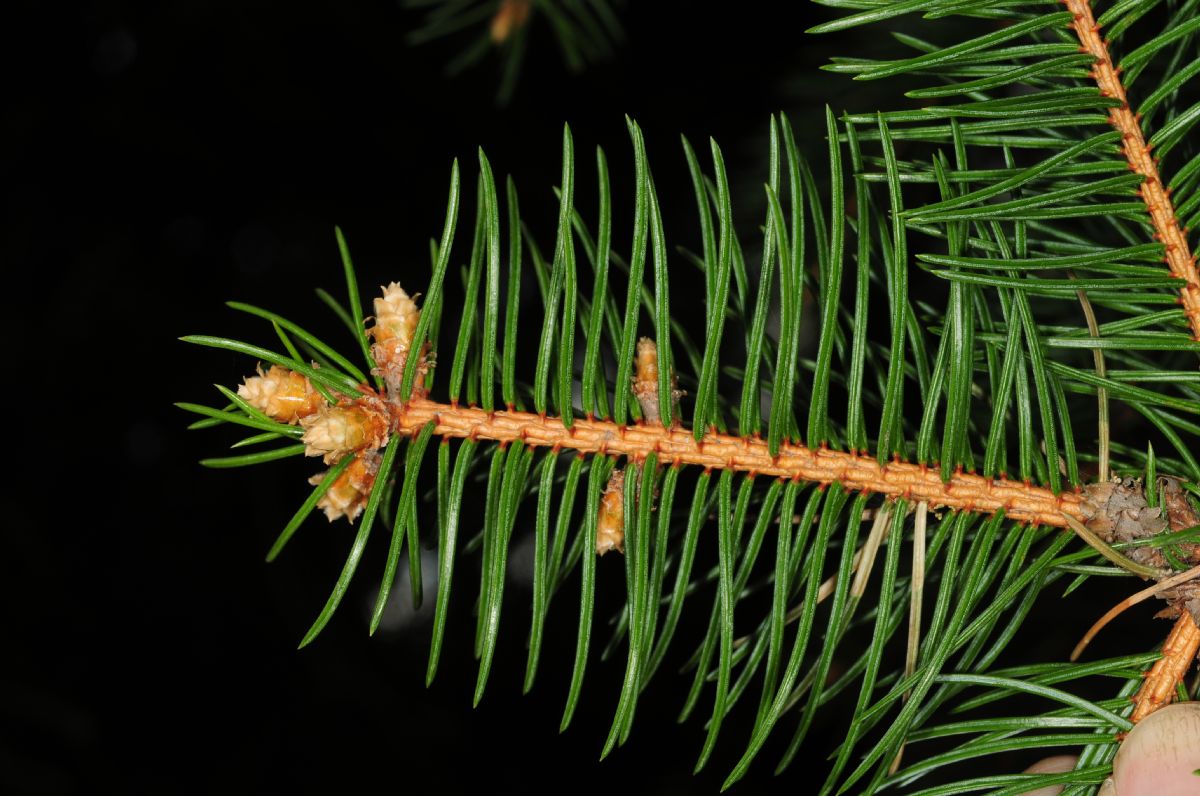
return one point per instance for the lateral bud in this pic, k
(610, 525)
(281, 394)
(335, 431)
(396, 317)
(645, 383)
(347, 495)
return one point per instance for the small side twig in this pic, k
(1179, 650)
(1180, 259)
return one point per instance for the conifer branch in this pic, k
(1182, 644)
(677, 445)
(1179, 257)
(1179, 650)
(995, 358)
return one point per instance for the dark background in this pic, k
(165, 158)
(162, 158)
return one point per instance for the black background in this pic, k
(163, 158)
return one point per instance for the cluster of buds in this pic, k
(358, 427)
(610, 524)
(354, 426)
(645, 384)
(396, 317)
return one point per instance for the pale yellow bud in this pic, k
(337, 430)
(347, 495)
(281, 394)
(396, 317)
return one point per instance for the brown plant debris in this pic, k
(1117, 511)
(1184, 598)
(1180, 514)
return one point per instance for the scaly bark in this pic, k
(917, 482)
(1179, 257)
(1179, 651)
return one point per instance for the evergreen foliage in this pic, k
(972, 283)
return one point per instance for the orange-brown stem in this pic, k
(1182, 644)
(1179, 650)
(1020, 501)
(1180, 259)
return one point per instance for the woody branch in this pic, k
(1019, 500)
(1179, 257)
(1184, 641)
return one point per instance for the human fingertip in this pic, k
(1059, 764)
(1161, 755)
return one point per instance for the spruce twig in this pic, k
(715, 451)
(1179, 256)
